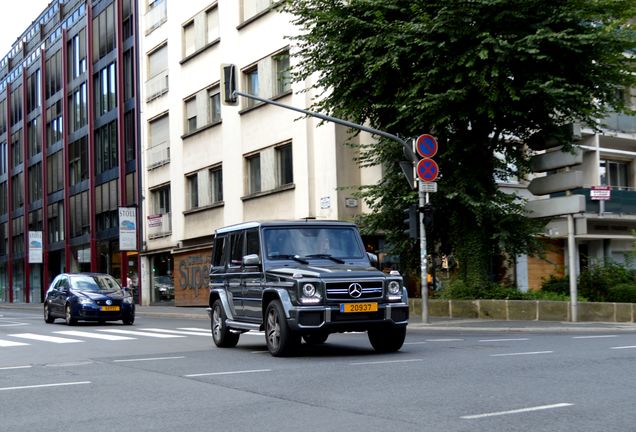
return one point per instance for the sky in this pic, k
(15, 17)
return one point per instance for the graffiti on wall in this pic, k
(193, 273)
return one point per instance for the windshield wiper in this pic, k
(327, 256)
(297, 258)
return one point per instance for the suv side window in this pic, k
(218, 259)
(236, 249)
(252, 243)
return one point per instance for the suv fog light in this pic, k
(394, 287)
(309, 290)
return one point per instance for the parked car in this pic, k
(165, 287)
(88, 297)
(302, 280)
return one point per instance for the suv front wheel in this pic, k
(281, 340)
(222, 336)
(387, 340)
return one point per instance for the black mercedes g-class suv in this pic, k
(301, 279)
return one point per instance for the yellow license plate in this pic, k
(109, 308)
(358, 307)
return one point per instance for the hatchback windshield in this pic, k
(312, 242)
(94, 283)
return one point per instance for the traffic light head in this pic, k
(411, 222)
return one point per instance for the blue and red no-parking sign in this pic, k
(426, 146)
(427, 170)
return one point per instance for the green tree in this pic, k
(482, 76)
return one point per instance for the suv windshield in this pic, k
(312, 242)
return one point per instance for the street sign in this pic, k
(429, 187)
(426, 146)
(427, 170)
(600, 193)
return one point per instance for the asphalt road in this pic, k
(167, 376)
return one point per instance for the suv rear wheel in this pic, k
(221, 334)
(387, 339)
(281, 340)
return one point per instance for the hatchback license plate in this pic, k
(109, 308)
(358, 307)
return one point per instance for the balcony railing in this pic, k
(159, 225)
(158, 155)
(622, 201)
(157, 86)
(619, 123)
(156, 15)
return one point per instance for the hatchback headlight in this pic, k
(128, 300)
(86, 301)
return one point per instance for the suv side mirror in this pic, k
(251, 260)
(373, 258)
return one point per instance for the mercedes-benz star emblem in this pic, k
(355, 290)
(109, 302)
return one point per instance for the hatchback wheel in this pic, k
(68, 315)
(47, 314)
(281, 340)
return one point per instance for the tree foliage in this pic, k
(482, 76)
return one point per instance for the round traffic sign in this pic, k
(426, 145)
(427, 170)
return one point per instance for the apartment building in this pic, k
(68, 146)
(206, 164)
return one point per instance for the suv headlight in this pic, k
(309, 293)
(394, 290)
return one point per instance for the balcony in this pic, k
(157, 86)
(159, 225)
(621, 202)
(158, 155)
(157, 14)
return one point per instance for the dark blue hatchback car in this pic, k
(88, 297)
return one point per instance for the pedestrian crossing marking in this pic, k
(197, 329)
(6, 343)
(140, 333)
(94, 335)
(44, 338)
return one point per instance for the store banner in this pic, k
(35, 247)
(127, 229)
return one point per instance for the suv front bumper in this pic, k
(330, 318)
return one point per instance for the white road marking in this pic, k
(70, 364)
(6, 343)
(594, 337)
(521, 353)
(16, 367)
(504, 340)
(227, 373)
(623, 347)
(517, 411)
(414, 343)
(259, 352)
(93, 335)
(385, 362)
(207, 334)
(207, 330)
(148, 359)
(13, 324)
(45, 385)
(44, 338)
(140, 333)
(444, 340)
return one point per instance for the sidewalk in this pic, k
(436, 324)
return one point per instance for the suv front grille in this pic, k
(340, 290)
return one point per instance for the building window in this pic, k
(250, 8)
(54, 124)
(129, 74)
(161, 200)
(158, 152)
(34, 96)
(77, 109)
(55, 172)
(104, 32)
(78, 161)
(216, 184)
(16, 148)
(193, 191)
(35, 182)
(157, 83)
(106, 205)
(16, 105)
(282, 73)
(614, 173)
(191, 115)
(77, 55)
(54, 74)
(3, 198)
(55, 216)
(200, 31)
(251, 83)
(105, 90)
(78, 207)
(34, 137)
(285, 168)
(254, 174)
(106, 150)
(214, 105)
(3, 116)
(4, 155)
(17, 186)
